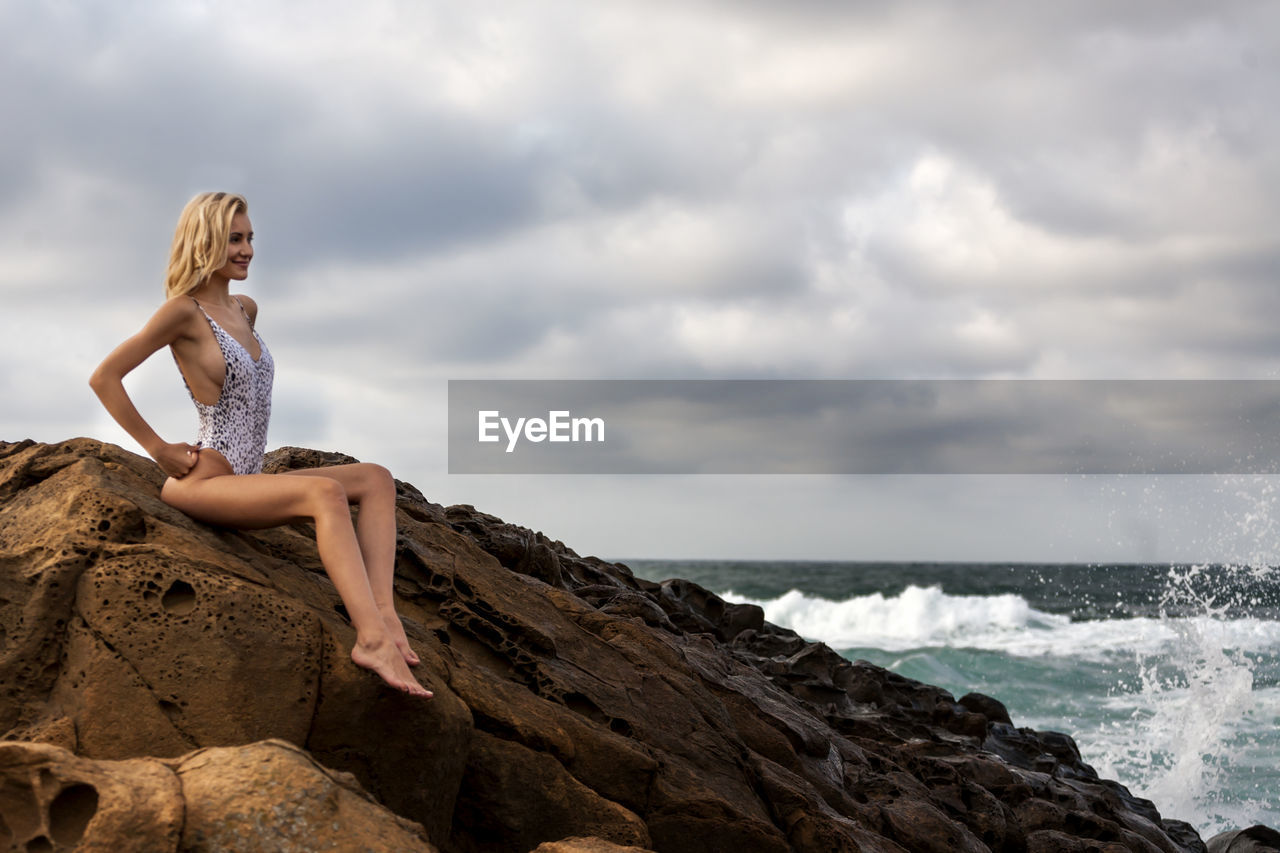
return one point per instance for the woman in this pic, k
(218, 480)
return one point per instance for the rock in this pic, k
(586, 845)
(53, 800)
(268, 796)
(516, 797)
(573, 700)
(273, 796)
(129, 630)
(993, 709)
(1255, 839)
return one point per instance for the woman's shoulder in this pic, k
(177, 309)
(250, 307)
(175, 318)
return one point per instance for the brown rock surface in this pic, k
(586, 845)
(272, 796)
(267, 796)
(53, 800)
(573, 700)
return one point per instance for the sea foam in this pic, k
(927, 617)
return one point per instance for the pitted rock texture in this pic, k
(52, 800)
(267, 796)
(573, 700)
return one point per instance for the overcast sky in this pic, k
(666, 190)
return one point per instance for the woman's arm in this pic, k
(165, 326)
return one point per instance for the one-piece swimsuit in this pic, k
(236, 425)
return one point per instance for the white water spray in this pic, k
(1185, 745)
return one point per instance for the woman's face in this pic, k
(239, 249)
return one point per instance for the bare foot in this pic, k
(396, 630)
(386, 661)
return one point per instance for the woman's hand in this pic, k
(177, 460)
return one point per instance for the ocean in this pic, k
(1168, 677)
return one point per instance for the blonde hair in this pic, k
(200, 241)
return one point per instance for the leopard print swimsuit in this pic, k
(236, 425)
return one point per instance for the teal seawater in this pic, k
(1167, 676)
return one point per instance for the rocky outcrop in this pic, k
(264, 796)
(577, 706)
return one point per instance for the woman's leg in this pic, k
(210, 493)
(372, 488)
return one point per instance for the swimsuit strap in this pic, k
(244, 312)
(238, 302)
(202, 311)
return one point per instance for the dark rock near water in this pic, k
(1255, 839)
(578, 708)
(992, 709)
